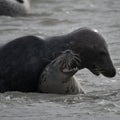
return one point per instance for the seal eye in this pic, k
(102, 53)
(20, 1)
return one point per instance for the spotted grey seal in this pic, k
(23, 59)
(57, 77)
(14, 7)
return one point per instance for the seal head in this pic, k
(90, 46)
(14, 7)
(94, 52)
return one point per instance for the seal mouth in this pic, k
(68, 69)
(71, 66)
(95, 69)
(71, 63)
(67, 63)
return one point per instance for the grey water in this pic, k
(58, 17)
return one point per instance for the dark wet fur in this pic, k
(23, 59)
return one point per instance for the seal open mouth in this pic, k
(70, 63)
(68, 69)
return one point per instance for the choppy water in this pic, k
(56, 17)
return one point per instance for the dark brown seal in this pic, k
(57, 77)
(23, 59)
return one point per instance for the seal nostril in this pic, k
(110, 73)
(114, 72)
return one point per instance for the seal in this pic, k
(14, 7)
(57, 77)
(22, 60)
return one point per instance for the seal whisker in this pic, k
(77, 59)
(75, 54)
(98, 69)
(76, 63)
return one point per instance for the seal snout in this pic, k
(109, 72)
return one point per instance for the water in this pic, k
(57, 17)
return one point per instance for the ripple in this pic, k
(51, 21)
